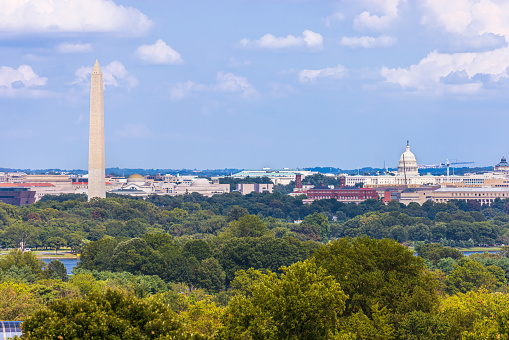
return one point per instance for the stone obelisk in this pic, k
(96, 179)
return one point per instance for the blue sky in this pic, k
(249, 84)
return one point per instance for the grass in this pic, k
(483, 249)
(64, 253)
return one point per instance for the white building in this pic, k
(199, 185)
(283, 177)
(408, 174)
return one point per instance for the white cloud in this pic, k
(368, 42)
(139, 130)
(20, 82)
(52, 16)
(114, 74)
(159, 53)
(480, 29)
(225, 83)
(308, 39)
(388, 10)
(309, 76)
(439, 71)
(74, 48)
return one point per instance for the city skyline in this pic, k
(252, 84)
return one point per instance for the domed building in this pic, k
(136, 185)
(502, 167)
(135, 178)
(198, 185)
(407, 163)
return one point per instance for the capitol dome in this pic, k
(408, 163)
(136, 178)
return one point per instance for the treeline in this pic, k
(71, 221)
(358, 288)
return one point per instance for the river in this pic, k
(68, 263)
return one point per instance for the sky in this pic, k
(255, 83)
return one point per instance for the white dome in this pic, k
(136, 178)
(200, 182)
(408, 163)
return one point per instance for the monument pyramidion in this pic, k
(96, 171)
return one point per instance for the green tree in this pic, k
(236, 213)
(17, 258)
(435, 252)
(418, 325)
(469, 275)
(319, 220)
(210, 276)
(56, 242)
(200, 249)
(56, 270)
(19, 234)
(305, 303)
(378, 272)
(109, 315)
(247, 226)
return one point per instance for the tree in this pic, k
(210, 276)
(236, 213)
(418, 325)
(319, 220)
(305, 303)
(18, 234)
(17, 258)
(469, 275)
(109, 315)
(56, 242)
(247, 226)
(56, 270)
(200, 249)
(379, 272)
(435, 252)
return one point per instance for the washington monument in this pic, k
(96, 180)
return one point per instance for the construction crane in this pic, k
(447, 165)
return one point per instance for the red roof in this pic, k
(24, 185)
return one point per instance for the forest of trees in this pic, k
(239, 267)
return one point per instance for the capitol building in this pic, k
(408, 175)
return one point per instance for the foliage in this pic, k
(469, 275)
(109, 315)
(378, 272)
(305, 303)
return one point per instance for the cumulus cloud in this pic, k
(368, 42)
(158, 54)
(225, 83)
(114, 74)
(439, 72)
(20, 82)
(43, 16)
(74, 48)
(309, 76)
(480, 59)
(469, 18)
(388, 12)
(308, 39)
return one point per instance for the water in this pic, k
(68, 263)
(468, 253)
